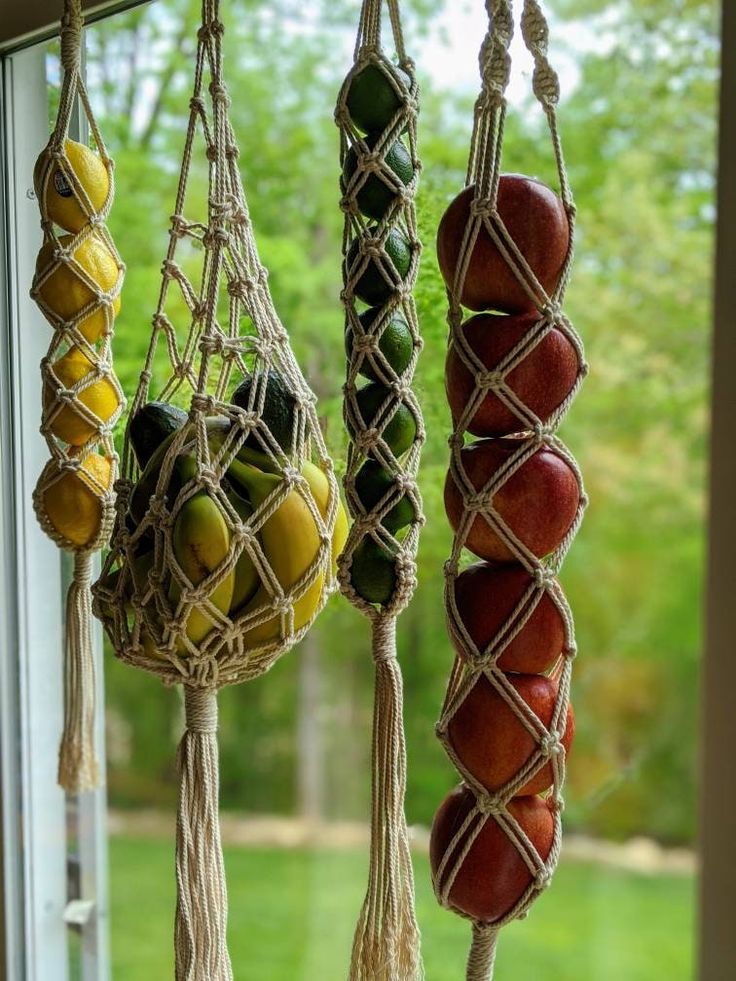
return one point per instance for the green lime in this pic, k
(377, 281)
(278, 408)
(396, 343)
(401, 431)
(372, 483)
(373, 572)
(378, 191)
(372, 98)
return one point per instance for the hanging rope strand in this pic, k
(473, 665)
(79, 479)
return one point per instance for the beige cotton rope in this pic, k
(484, 172)
(386, 945)
(206, 337)
(78, 766)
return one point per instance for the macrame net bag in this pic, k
(480, 504)
(74, 499)
(378, 154)
(157, 616)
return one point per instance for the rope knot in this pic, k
(481, 208)
(365, 343)
(542, 879)
(202, 403)
(550, 744)
(551, 311)
(489, 804)
(200, 709)
(478, 503)
(490, 380)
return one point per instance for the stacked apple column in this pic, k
(74, 498)
(376, 113)
(514, 499)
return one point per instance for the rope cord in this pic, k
(480, 504)
(381, 167)
(233, 332)
(74, 497)
(183, 538)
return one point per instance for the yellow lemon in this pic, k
(67, 294)
(100, 398)
(73, 504)
(61, 202)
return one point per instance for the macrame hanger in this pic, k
(78, 765)
(484, 172)
(229, 331)
(386, 940)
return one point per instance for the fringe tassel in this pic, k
(200, 931)
(387, 939)
(482, 954)
(78, 766)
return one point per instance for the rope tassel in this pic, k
(386, 942)
(201, 893)
(78, 766)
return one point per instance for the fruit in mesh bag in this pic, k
(486, 596)
(538, 502)
(541, 381)
(395, 343)
(99, 396)
(66, 293)
(73, 502)
(60, 202)
(492, 876)
(378, 190)
(492, 742)
(151, 425)
(379, 276)
(400, 431)
(277, 410)
(372, 483)
(201, 543)
(373, 572)
(535, 218)
(373, 98)
(290, 540)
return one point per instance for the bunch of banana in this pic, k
(271, 568)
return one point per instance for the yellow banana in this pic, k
(290, 540)
(201, 542)
(320, 487)
(246, 575)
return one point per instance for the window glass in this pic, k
(638, 121)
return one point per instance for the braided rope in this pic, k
(386, 942)
(148, 597)
(88, 467)
(479, 504)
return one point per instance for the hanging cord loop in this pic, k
(486, 819)
(381, 251)
(82, 397)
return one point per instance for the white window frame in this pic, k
(35, 911)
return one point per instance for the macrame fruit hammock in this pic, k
(228, 516)
(77, 285)
(515, 499)
(376, 113)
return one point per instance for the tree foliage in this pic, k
(639, 134)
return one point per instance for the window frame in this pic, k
(34, 818)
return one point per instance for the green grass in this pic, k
(292, 914)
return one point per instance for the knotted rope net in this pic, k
(480, 504)
(222, 552)
(77, 287)
(377, 115)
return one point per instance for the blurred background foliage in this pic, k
(639, 130)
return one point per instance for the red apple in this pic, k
(534, 217)
(538, 502)
(490, 740)
(542, 381)
(487, 595)
(493, 875)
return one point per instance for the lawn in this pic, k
(292, 913)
